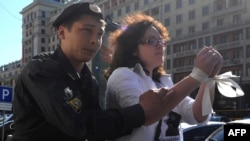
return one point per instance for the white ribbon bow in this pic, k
(225, 86)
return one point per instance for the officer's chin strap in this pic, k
(225, 86)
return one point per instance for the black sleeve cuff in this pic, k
(134, 116)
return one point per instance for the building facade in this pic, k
(192, 24)
(38, 36)
(9, 73)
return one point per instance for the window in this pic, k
(248, 69)
(205, 26)
(114, 3)
(168, 50)
(121, 1)
(236, 18)
(207, 41)
(167, 22)
(191, 15)
(42, 49)
(223, 39)
(43, 22)
(234, 2)
(181, 62)
(236, 54)
(178, 32)
(191, 61)
(200, 42)
(127, 9)
(106, 5)
(30, 31)
(167, 8)
(178, 19)
(236, 36)
(43, 14)
(191, 1)
(136, 5)
(224, 55)
(192, 46)
(248, 33)
(155, 11)
(182, 48)
(178, 4)
(220, 22)
(191, 29)
(205, 11)
(111, 15)
(168, 64)
(42, 40)
(119, 12)
(237, 72)
(248, 51)
(28, 17)
(220, 4)
(42, 31)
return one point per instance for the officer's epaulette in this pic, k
(42, 56)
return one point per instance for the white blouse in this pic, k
(124, 87)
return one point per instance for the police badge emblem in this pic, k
(76, 104)
(95, 8)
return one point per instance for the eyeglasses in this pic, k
(154, 42)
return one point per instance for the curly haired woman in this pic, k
(137, 66)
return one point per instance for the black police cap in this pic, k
(83, 8)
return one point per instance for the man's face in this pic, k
(83, 40)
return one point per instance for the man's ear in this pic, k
(61, 32)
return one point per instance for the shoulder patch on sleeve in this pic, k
(42, 56)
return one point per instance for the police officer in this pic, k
(56, 97)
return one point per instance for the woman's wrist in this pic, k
(198, 75)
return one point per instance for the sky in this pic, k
(11, 30)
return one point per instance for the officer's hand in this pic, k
(153, 103)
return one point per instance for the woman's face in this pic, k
(151, 49)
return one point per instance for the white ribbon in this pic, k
(225, 86)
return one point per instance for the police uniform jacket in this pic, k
(53, 102)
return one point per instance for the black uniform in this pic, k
(53, 102)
